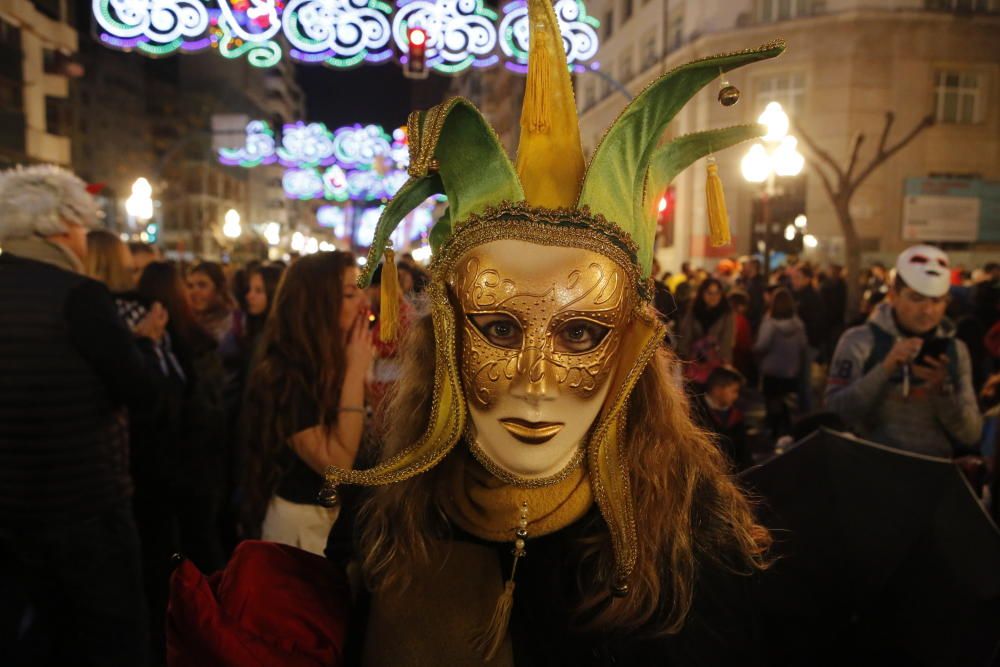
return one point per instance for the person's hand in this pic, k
(991, 388)
(933, 371)
(903, 351)
(154, 324)
(360, 347)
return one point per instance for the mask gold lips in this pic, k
(532, 433)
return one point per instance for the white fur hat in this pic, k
(42, 200)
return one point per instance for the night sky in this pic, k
(368, 94)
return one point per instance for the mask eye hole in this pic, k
(499, 329)
(579, 336)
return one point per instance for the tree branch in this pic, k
(882, 155)
(890, 118)
(820, 153)
(859, 139)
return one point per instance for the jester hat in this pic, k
(608, 205)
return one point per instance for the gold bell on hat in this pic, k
(728, 93)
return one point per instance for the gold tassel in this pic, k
(718, 217)
(537, 89)
(389, 311)
(489, 641)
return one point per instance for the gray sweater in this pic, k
(872, 402)
(780, 347)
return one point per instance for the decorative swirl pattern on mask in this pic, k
(596, 294)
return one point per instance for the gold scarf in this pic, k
(482, 505)
(436, 619)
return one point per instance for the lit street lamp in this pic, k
(139, 205)
(232, 229)
(272, 233)
(775, 155)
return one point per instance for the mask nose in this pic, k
(535, 380)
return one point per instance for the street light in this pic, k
(139, 205)
(272, 233)
(232, 228)
(775, 155)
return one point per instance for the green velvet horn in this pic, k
(454, 151)
(614, 183)
(675, 156)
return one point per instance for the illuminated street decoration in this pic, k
(359, 147)
(579, 33)
(150, 26)
(259, 147)
(335, 184)
(305, 145)
(338, 33)
(247, 27)
(302, 184)
(460, 33)
(353, 163)
(334, 218)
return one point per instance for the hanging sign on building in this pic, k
(951, 210)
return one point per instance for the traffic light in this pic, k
(665, 209)
(152, 232)
(416, 62)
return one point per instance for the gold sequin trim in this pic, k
(570, 227)
(426, 453)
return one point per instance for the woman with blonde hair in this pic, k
(110, 261)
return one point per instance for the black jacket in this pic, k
(68, 365)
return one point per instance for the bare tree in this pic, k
(841, 183)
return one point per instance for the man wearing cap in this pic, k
(70, 581)
(903, 379)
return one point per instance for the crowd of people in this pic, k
(915, 367)
(149, 407)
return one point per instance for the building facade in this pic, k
(37, 42)
(848, 62)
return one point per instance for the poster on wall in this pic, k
(951, 210)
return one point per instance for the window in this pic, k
(57, 116)
(648, 53)
(788, 89)
(782, 10)
(609, 23)
(625, 72)
(675, 35)
(626, 10)
(958, 97)
(961, 5)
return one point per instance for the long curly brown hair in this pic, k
(298, 373)
(687, 507)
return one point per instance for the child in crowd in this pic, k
(716, 412)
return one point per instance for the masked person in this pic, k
(903, 379)
(537, 440)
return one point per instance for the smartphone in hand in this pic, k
(933, 348)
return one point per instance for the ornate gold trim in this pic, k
(568, 227)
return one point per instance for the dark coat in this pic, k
(810, 309)
(68, 367)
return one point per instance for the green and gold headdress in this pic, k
(549, 195)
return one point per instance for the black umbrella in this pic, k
(883, 557)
